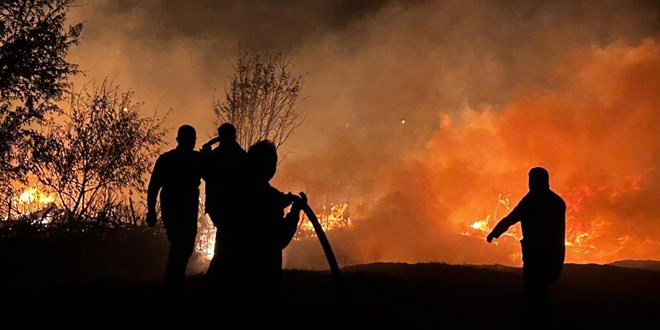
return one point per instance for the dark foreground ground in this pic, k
(392, 296)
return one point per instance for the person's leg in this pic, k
(182, 245)
(215, 265)
(175, 273)
(535, 294)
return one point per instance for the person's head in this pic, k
(263, 160)
(539, 179)
(227, 132)
(186, 137)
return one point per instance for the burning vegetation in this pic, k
(592, 121)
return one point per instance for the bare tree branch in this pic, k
(261, 100)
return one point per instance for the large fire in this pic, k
(33, 201)
(580, 239)
(594, 128)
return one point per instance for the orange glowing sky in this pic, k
(419, 115)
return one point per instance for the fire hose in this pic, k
(325, 244)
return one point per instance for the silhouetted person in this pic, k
(272, 230)
(542, 216)
(224, 171)
(264, 233)
(176, 176)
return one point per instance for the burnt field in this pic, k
(100, 283)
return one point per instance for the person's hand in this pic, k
(490, 237)
(206, 147)
(300, 201)
(289, 198)
(152, 218)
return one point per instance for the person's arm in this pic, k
(155, 184)
(291, 220)
(512, 218)
(206, 147)
(207, 152)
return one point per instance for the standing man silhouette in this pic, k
(224, 171)
(542, 215)
(176, 176)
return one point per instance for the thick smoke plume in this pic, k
(420, 114)
(596, 133)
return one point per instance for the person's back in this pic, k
(270, 231)
(176, 176)
(225, 177)
(542, 214)
(225, 169)
(180, 174)
(543, 226)
(267, 230)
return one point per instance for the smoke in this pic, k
(595, 131)
(419, 114)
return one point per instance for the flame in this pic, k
(34, 195)
(332, 218)
(580, 239)
(31, 201)
(481, 228)
(481, 225)
(205, 244)
(205, 240)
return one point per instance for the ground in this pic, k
(391, 295)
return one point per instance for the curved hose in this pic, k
(327, 249)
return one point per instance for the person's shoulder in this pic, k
(557, 198)
(166, 155)
(235, 147)
(528, 196)
(272, 191)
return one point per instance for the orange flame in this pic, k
(335, 217)
(33, 200)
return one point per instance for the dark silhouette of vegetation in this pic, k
(262, 99)
(97, 153)
(34, 42)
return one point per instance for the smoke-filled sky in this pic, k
(419, 114)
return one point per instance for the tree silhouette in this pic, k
(261, 100)
(33, 75)
(97, 152)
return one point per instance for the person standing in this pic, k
(176, 176)
(542, 215)
(224, 171)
